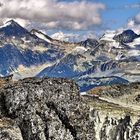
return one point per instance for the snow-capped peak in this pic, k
(12, 28)
(69, 37)
(108, 36)
(79, 49)
(59, 36)
(8, 23)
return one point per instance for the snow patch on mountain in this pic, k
(80, 49)
(6, 24)
(42, 36)
(119, 56)
(134, 53)
(135, 43)
(108, 36)
(65, 37)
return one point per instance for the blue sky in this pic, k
(118, 12)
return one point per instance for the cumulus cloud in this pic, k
(53, 13)
(137, 18)
(134, 23)
(1, 4)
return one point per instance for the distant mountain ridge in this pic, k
(112, 59)
(109, 56)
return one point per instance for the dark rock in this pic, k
(91, 43)
(126, 37)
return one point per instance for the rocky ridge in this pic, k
(52, 109)
(45, 109)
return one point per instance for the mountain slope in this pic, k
(65, 45)
(112, 59)
(11, 28)
(20, 47)
(93, 60)
(41, 35)
(126, 36)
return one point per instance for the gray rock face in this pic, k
(52, 109)
(112, 128)
(47, 109)
(9, 130)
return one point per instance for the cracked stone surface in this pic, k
(52, 109)
(47, 109)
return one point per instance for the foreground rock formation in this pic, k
(52, 109)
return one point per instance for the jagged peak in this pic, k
(129, 31)
(34, 31)
(41, 35)
(12, 28)
(10, 23)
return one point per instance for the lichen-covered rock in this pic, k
(114, 129)
(135, 133)
(52, 109)
(47, 109)
(9, 130)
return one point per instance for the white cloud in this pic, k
(137, 18)
(22, 22)
(134, 24)
(53, 13)
(131, 23)
(135, 21)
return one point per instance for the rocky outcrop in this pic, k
(109, 127)
(9, 130)
(46, 109)
(118, 110)
(52, 109)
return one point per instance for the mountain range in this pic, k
(113, 58)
